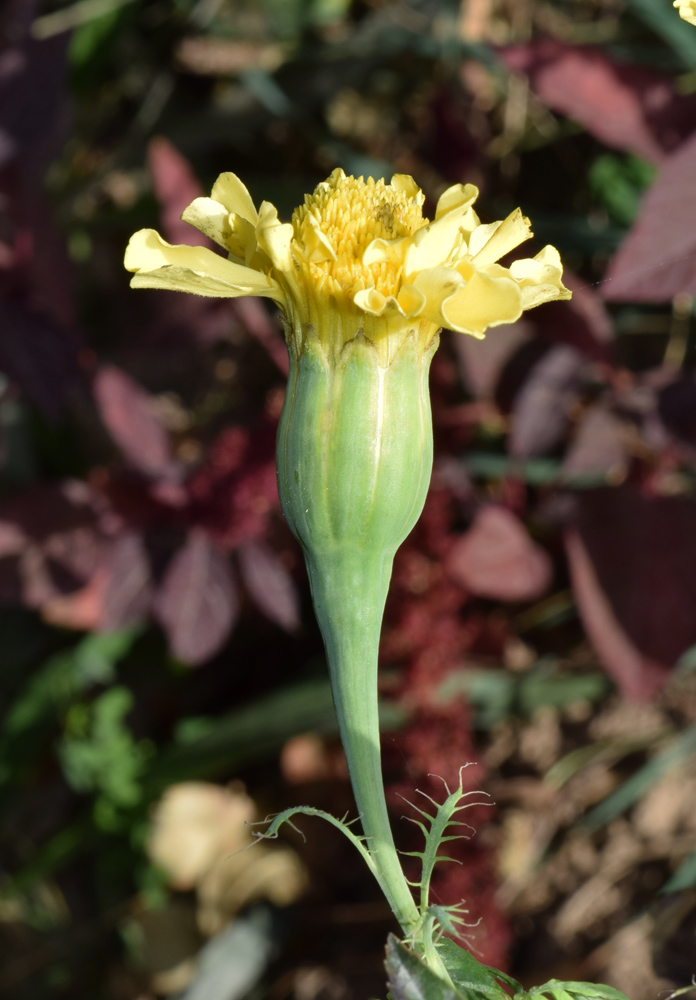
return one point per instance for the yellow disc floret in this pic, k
(338, 222)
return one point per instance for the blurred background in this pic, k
(162, 676)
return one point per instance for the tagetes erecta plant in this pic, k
(687, 10)
(364, 282)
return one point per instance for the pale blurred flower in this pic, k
(199, 835)
(687, 10)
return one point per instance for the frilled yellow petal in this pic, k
(381, 251)
(458, 198)
(411, 301)
(687, 10)
(468, 300)
(317, 246)
(274, 237)
(210, 218)
(488, 244)
(434, 244)
(234, 196)
(158, 264)
(242, 241)
(406, 184)
(481, 301)
(408, 303)
(540, 278)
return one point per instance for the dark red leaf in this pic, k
(642, 551)
(34, 113)
(126, 410)
(256, 321)
(269, 584)
(496, 558)
(481, 361)
(197, 603)
(39, 356)
(583, 323)
(632, 108)
(598, 448)
(636, 675)
(657, 260)
(175, 187)
(540, 410)
(127, 594)
(677, 407)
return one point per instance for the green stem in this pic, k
(351, 629)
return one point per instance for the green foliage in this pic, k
(497, 694)
(52, 689)
(410, 979)
(618, 182)
(471, 978)
(98, 754)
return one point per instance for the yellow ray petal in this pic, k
(489, 243)
(482, 300)
(317, 245)
(459, 197)
(409, 302)
(230, 192)
(274, 237)
(468, 300)
(540, 278)
(158, 264)
(687, 10)
(370, 301)
(406, 183)
(211, 218)
(382, 251)
(434, 244)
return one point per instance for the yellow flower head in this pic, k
(687, 10)
(358, 256)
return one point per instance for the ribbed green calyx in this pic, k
(354, 459)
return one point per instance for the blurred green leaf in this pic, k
(665, 22)
(497, 694)
(684, 877)
(680, 747)
(91, 661)
(99, 754)
(618, 183)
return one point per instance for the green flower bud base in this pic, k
(354, 460)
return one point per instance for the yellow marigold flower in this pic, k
(364, 282)
(363, 247)
(687, 10)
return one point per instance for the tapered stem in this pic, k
(349, 589)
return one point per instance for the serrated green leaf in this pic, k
(410, 979)
(582, 991)
(471, 977)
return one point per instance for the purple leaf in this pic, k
(175, 186)
(642, 551)
(657, 260)
(126, 410)
(496, 558)
(541, 407)
(598, 448)
(39, 356)
(632, 108)
(637, 676)
(128, 592)
(269, 584)
(197, 602)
